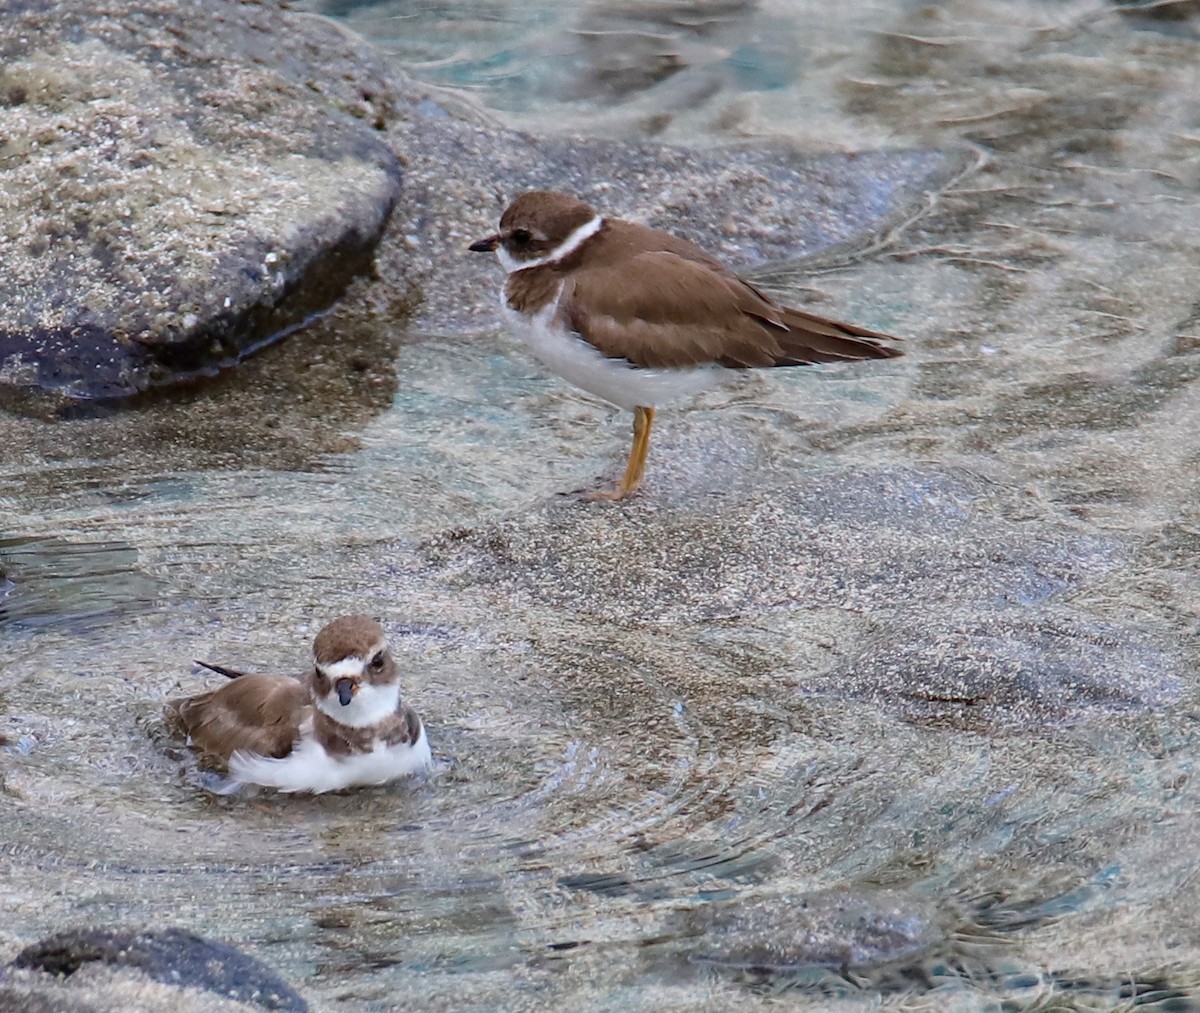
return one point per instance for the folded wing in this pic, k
(662, 308)
(253, 713)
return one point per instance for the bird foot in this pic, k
(592, 494)
(607, 495)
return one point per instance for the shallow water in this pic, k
(883, 689)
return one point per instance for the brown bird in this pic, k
(342, 724)
(642, 318)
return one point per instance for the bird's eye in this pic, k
(377, 661)
(521, 237)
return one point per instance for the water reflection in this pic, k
(643, 63)
(80, 585)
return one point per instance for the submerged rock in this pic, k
(965, 617)
(836, 930)
(181, 186)
(74, 584)
(1008, 668)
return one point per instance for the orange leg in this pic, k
(643, 419)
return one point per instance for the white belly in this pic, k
(614, 380)
(309, 768)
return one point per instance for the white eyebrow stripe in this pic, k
(344, 669)
(564, 249)
(351, 665)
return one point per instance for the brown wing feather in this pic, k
(258, 713)
(662, 308)
(810, 338)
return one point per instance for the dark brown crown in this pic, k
(347, 636)
(538, 221)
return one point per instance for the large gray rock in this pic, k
(178, 189)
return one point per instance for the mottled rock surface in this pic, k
(177, 186)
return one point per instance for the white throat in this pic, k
(370, 705)
(561, 251)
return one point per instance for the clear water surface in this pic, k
(675, 768)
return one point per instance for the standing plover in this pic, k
(642, 318)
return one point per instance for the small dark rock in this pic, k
(172, 956)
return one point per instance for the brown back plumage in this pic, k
(263, 713)
(257, 713)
